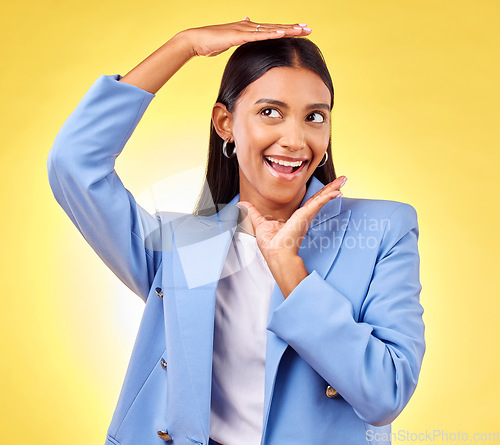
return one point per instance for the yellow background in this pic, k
(416, 120)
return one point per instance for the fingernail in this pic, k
(302, 24)
(343, 182)
(306, 29)
(246, 18)
(280, 32)
(298, 27)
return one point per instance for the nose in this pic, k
(293, 136)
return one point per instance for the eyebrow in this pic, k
(284, 105)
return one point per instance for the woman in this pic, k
(299, 324)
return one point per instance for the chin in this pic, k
(284, 194)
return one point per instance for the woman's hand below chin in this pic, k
(280, 242)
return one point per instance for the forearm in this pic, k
(154, 71)
(288, 272)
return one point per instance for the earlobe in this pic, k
(222, 120)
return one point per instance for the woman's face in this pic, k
(284, 115)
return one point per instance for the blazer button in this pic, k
(331, 393)
(165, 436)
(163, 363)
(159, 292)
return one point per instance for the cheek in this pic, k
(321, 144)
(253, 140)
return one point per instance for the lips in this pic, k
(287, 173)
(286, 158)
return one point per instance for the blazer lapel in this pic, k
(201, 245)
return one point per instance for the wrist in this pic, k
(185, 39)
(288, 271)
(284, 257)
(286, 262)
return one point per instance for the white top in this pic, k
(240, 334)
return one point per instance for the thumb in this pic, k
(251, 211)
(247, 211)
(244, 209)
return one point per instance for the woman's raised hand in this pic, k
(154, 71)
(215, 39)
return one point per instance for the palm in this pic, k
(276, 235)
(269, 233)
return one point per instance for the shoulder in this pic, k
(392, 220)
(376, 207)
(362, 208)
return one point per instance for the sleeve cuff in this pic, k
(312, 300)
(113, 80)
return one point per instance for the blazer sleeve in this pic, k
(373, 362)
(84, 182)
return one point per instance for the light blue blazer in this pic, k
(344, 350)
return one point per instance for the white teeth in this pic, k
(290, 164)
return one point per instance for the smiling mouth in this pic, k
(287, 172)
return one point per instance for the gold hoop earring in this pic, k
(324, 162)
(224, 149)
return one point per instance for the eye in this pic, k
(267, 111)
(319, 116)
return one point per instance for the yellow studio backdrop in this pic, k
(415, 120)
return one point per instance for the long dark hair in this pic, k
(248, 63)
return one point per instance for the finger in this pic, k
(286, 30)
(276, 34)
(263, 35)
(343, 179)
(336, 184)
(281, 25)
(311, 210)
(270, 27)
(314, 204)
(295, 31)
(328, 192)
